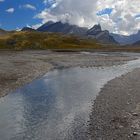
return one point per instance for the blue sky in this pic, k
(106, 11)
(22, 15)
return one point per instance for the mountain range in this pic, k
(96, 32)
(125, 40)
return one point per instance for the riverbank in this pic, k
(116, 111)
(21, 67)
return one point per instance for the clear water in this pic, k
(57, 106)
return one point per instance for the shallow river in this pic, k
(57, 106)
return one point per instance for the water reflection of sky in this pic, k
(56, 106)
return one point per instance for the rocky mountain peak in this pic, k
(94, 30)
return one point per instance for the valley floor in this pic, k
(21, 67)
(115, 114)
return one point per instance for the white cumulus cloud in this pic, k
(10, 10)
(29, 6)
(84, 13)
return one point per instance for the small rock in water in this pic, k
(120, 126)
(135, 114)
(135, 133)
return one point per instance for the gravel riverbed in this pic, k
(115, 114)
(116, 111)
(18, 68)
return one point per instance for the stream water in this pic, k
(57, 106)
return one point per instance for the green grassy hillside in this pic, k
(55, 41)
(37, 40)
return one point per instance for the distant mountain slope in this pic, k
(127, 39)
(60, 27)
(27, 29)
(45, 26)
(2, 32)
(102, 36)
(95, 30)
(137, 43)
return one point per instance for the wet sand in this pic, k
(116, 111)
(21, 67)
